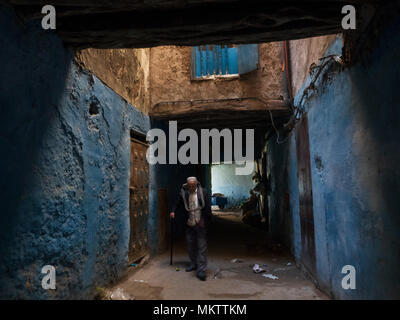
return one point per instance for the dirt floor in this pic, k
(227, 278)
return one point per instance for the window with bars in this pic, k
(222, 60)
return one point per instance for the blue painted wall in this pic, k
(235, 187)
(354, 122)
(64, 171)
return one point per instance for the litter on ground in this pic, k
(270, 276)
(118, 294)
(257, 268)
(217, 273)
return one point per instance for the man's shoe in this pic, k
(201, 275)
(190, 268)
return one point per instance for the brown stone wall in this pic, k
(145, 77)
(126, 71)
(171, 77)
(303, 53)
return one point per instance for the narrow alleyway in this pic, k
(229, 239)
(289, 110)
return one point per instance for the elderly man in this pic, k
(195, 206)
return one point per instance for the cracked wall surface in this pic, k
(65, 140)
(126, 71)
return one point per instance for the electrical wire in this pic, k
(297, 111)
(276, 130)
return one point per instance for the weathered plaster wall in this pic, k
(354, 123)
(235, 187)
(303, 53)
(65, 145)
(172, 81)
(126, 71)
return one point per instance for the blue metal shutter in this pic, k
(247, 57)
(232, 54)
(211, 60)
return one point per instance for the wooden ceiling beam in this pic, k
(137, 23)
(176, 109)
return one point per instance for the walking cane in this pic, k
(172, 238)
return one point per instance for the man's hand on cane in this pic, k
(172, 215)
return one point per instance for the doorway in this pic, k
(305, 195)
(138, 200)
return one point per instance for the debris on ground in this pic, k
(289, 264)
(133, 265)
(177, 269)
(119, 294)
(257, 268)
(236, 260)
(217, 274)
(270, 276)
(138, 280)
